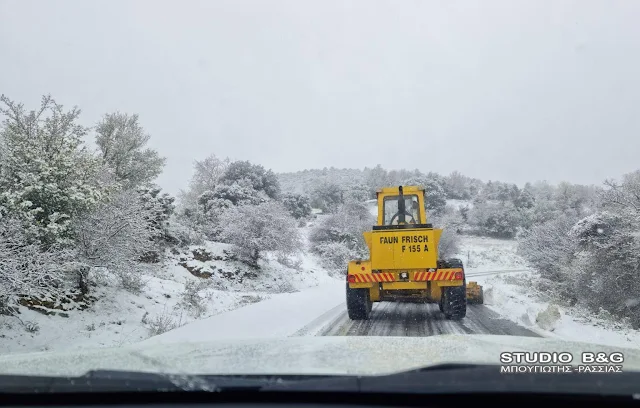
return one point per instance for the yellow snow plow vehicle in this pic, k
(404, 264)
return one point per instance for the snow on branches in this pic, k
(116, 234)
(25, 269)
(47, 174)
(257, 228)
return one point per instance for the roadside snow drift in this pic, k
(282, 315)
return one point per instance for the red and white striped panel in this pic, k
(435, 276)
(374, 277)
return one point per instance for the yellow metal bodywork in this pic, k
(395, 251)
(404, 249)
(475, 294)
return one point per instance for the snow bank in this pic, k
(508, 294)
(280, 316)
(481, 254)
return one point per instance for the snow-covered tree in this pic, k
(253, 229)
(298, 205)
(160, 207)
(206, 177)
(377, 178)
(47, 176)
(623, 197)
(117, 234)
(239, 192)
(356, 192)
(459, 187)
(525, 198)
(256, 175)
(435, 196)
(123, 147)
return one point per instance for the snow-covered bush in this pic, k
(290, 262)
(548, 247)
(327, 196)
(206, 216)
(334, 255)
(253, 229)
(231, 184)
(116, 234)
(26, 269)
(182, 234)
(192, 298)
(159, 324)
(497, 219)
(342, 229)
(607, 268)
(298, 205)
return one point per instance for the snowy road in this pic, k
(419, 320)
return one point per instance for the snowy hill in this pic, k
(193, 284)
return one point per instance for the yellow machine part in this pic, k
(404, 249)
(389, 281)
(475, 294)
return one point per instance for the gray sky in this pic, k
(510, 90)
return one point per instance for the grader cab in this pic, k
(404, 264)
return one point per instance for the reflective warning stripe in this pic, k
(374, 277)
(419, 276)
(434, 276)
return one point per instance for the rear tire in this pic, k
(455, 302)
(359, 304)
(454, 298)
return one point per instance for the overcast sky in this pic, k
(510, 90)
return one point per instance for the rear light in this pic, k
(363, 268)
(459, 276)
(351, 278)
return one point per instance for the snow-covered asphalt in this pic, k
(420, 320)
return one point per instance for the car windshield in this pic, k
(212, 187)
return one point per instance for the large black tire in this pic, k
(454, 298)
(455, 302)
(359, 304)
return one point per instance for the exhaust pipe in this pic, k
(401, 207)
